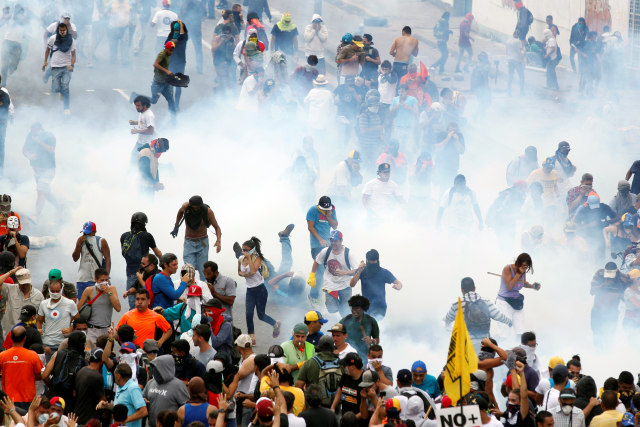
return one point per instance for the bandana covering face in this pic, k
(285, 23)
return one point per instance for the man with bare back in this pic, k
(402, 49)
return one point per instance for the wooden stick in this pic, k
(494, 274)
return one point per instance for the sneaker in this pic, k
(237, 249)
(287, 230)
(67, 112)
(314, 302)
(276, 329)
(253, 341)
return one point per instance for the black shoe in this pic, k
(237, 249)
(132, 97)
(287, 230)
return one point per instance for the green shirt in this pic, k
(354, 333)
(310, 371)
(163, 59)
(293, 355)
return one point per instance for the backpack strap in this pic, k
(346, 258)
(96, 297)
(95, 258)
(326, 257)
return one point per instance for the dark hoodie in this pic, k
(67, 364)
(585, 390)
(164, 392)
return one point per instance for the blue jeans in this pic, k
(340, 304)
(131, 281)
(231, 423)
(81, 286)
(257, 300)
(315, 292)
(286, 261)
(118, 38)
(196, 253)
(166, 90)
(60, 83)
(195, 37)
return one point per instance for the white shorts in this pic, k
(502, 332)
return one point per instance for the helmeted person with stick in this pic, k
(198, 217)
(510, 301)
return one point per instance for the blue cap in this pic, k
(88, 227)
(347, 38)
(627, 419)
(418, 367)
(335, 235)
(593, 201)
(404, 375)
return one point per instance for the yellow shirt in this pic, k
(298, 394)
(549, 182)
(608, 418)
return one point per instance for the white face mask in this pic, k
(369, 364)
(566, 409)
(374, 109)
(55, 295)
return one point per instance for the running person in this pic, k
(510, 301)
(249, 267)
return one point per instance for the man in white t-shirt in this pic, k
(381, 196)
(162, 20)
(144, 127)
(560, 377)
(61, 52)
(320, 102)
(340, 265)
(346, 176)
(55, 315)
(339, 334)
(248, 98)
(459, 203)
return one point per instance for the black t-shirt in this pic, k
(284, 39)
(284, 421)
(319, 417)
(517, 421)
(89, 391)
(347, 102)
(146, 241)
(350, 393)
(635, 183)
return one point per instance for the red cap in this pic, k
(170, 45)
(194, 291)
(446, 402)
(264, 407)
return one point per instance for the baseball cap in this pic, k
(352, 359)
(128, 347)
(338, 327)
(627, 419)
(567, 393)
(555, 361)
(593, 201)
(57, 401)
(55, 275)
(418, 367)
(150, 346)
(215, 365)
(96, 354)
(317, 20)
(88, 227)
(313, 316)
(194, 291)
(368, 378)
(404, 375)
(66, 15)
(335, 235)
(560, 370)
(347, 38)
(324, 203)
(300, 328)
(169, 45)
(392, 404)
(354, 155)
(24, 276)
(166, 3)
(243, 340)
(384, 167)
(264, 407)
(213, 302)
(27, 312)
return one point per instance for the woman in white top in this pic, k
(551, 56)
(249, 267)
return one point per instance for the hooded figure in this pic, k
(164, 391)
(221, 328)
(585, 390)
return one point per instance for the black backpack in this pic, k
(346, 257)
(67, 365)
(131, 248)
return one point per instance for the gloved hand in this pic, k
(511, 360)
(174, 232)
(311, 281)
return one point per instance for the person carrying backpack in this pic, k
(322, 369)
(525, 19)
(135, 244)
(478, 313)
(60, 372)
(340, 265)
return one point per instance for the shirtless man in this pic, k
(197, 217)
(402, 49)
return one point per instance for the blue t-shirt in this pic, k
(404, 118)
(373, 287)
(429, 385)
(130, 395)
(321, 224)
(164, 293)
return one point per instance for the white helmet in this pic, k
(13, 222)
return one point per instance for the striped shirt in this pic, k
(493, 311)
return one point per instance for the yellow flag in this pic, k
(461, 360)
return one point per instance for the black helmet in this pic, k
(139, 217)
